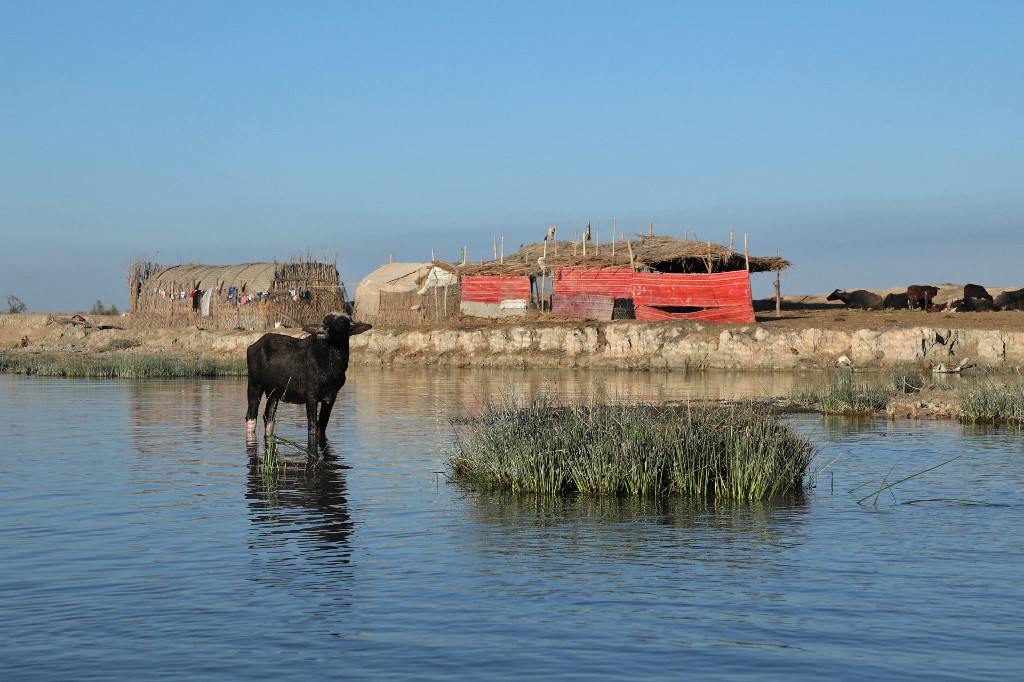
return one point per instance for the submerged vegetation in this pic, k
(741, 452)
(126, 366)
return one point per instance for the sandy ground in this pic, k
(815, 312)
(819, 316)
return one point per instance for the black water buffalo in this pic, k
(923, 293)
(971, 305)
(307, 371)
(896, 302)
(976, 291)
(1010, 300)
(860, 298)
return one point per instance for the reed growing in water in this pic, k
(741, 452)
(991, 400)
(120, 366)
(843, 392)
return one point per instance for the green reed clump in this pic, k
(844, 393)
(270, 465)
(127, 366)
(742, 452)
(990, 400)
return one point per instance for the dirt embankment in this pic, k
(809, 333)
(98, 334)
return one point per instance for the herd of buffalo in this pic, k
(919, 297)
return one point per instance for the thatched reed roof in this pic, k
(255, 276)
(649, 254)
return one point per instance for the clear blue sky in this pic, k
(874, 144)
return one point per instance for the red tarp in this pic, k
(613, 282)
(723, 296)
(579, 292)
(720, 296)
(481, 289)
(586, 306)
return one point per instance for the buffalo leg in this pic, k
(325, 416)
(254, 393)
(311, 422)
(269, 412)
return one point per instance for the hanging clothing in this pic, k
(205, 305)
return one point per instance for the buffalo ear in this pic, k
(359, 328)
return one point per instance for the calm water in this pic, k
(136, 543)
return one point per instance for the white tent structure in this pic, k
(416, 278)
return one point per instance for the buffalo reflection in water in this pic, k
(300, 515)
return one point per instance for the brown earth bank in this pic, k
(809, 333)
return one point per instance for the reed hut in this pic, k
(252, 296)
(645, 278)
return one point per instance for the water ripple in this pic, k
(138, 540)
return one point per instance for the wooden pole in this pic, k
(495, 248)
(543, 261)
(629, 245)
(543, 273)
(746, 256)
(650, 229)
(778, 291)
(731, 233)
(503, 250)
(432, 256)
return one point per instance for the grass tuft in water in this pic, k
(739, 452)
(990, 400)
(846, 393)
(270, 465)
(128, 366)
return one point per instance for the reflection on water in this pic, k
(469, 387)
(140, 540)
(315, 488)
(584, 530)
(301, 521)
